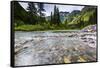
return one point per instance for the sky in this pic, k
(50, 7)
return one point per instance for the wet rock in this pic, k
(55, 48)
(83, 38)
(85, 41)
(74, 58)
(92, 42)
(67, 59)
(81, 59)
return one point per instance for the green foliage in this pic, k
(19, 13)
(66, 22)
(41, 17)
(41, 9)
(72, 15)
(56, 16)
(32, 13)
(29, 27)
(51, 21)
(87, 17)
(34, 19)
(31, 8)
(18, 23)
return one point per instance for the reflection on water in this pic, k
(37, 48)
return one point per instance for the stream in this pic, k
(50, 47)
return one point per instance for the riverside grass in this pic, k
(42, 28)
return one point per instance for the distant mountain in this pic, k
(72, 15)
(64, 13)
(75, 19)
(62, 16)
(87, 16)
(67, 15)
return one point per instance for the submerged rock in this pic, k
(60, 48)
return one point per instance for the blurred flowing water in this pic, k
(48, 47)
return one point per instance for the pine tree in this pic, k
(32, 10)
(40, 11)
(56, 16)
(51, 19)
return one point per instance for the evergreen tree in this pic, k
(40, 11)
(56, 16)
(51, 19)
(32, 10)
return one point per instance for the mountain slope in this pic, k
(63, 16)
(20, 13)
(72, 15)
(87, 16)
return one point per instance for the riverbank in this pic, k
(54, 29)
(42, 28)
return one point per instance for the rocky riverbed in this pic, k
(37, 48)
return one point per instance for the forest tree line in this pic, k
(35, 19)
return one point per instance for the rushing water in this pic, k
(37, 47)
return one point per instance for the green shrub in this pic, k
(18, 23)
